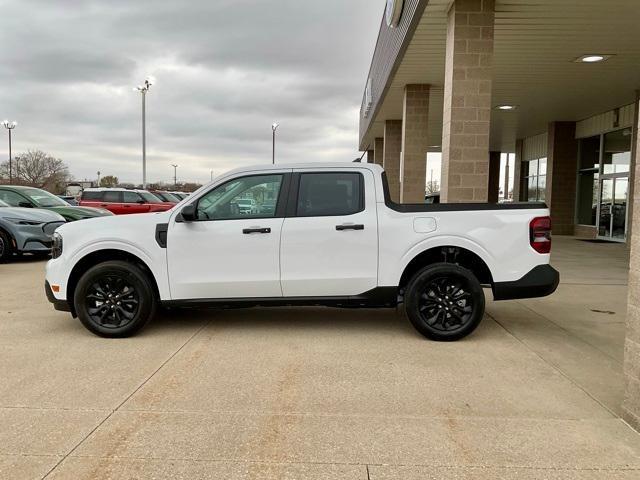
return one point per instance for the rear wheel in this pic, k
(6, 249)
(444, 302)
(115, 299)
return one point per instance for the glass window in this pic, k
(113, 197)
(12, 198)
(536, 180)
(588, 176)
(329, 194)
(130, 197)
(91, 195)
(617, 151)
(246, 197)
(42, 198)
(149, 197)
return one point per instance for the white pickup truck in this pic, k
(317, 234)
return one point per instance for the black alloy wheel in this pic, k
(6, 250)
(445, 302)
(115, 299)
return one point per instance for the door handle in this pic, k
(247, 231)
(350, 226)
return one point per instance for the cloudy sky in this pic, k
(225, 70)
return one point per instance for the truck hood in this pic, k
(115, 227)
(72, 213)
(31, 214)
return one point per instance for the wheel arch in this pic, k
(99, 256)
(447, 254)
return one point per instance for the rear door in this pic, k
(329, 241)
(112, 201)
(132, 202)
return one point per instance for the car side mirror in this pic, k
(25, 205)
(189, 213)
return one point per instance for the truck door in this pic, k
(228, 252)
(329, 241)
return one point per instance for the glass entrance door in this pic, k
(614, 185)
(612, 217)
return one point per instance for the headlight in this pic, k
(22, 221)
(56, 247)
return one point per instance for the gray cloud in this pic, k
(225, 69)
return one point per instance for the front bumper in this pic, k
(61, 305)
(539, 282)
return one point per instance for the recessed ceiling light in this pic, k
(506, 107)
(592, 58)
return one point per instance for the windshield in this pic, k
(171, 197)
(43, 198)
(149, 197)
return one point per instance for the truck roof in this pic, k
(312, 165)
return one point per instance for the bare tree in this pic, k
(432, 187)
(38, 169)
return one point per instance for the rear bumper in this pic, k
(61, 305)
(539, 282)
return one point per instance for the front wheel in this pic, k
(115, 299)
(444, 302)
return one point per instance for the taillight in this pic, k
(540, 234)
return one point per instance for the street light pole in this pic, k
(274, 127)
(10, 126)
(143, 89)
(175, 175)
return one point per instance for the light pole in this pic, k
(274, 127)
(143, 89)
(211, 176)
(10, 126)
(98, 184)
(175, 175)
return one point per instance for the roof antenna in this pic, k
(359, 160)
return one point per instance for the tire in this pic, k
(115, 299)
(6, 248)
(444, 302)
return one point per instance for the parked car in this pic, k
(71, 200)
(335, 238)
(26, 230)
(30, 197)
(166, 196)
(180, 195)
(121, 201)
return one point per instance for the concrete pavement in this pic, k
(322, 393)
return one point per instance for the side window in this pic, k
(12, 198)
(91, 195)
(130, 197)
(330, 194)
(247, 197)
(113, 197)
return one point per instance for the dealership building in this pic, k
(555, 82)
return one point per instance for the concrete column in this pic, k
(467, 101)
(415, 143)
(631, 404)
(494, 177)
(562, 168)
(391, 159)
(632, 167)
(370, 156)
(517, 171)
(378, 151)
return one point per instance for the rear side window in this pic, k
(111, 197)
(130, 197)
(12, 198)
(91, 195)
(330, 194)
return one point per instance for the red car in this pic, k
(121, 201)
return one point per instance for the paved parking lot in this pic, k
(322, 393)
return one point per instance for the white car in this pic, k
(334, 238)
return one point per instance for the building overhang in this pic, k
(537, 50)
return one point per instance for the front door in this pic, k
(230, 251)
(612, 217)
(330, 236)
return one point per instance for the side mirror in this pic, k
(189, 213)
(25, 205)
